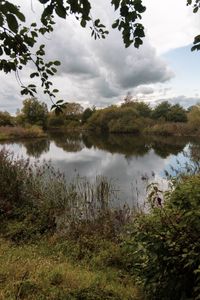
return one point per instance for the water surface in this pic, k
(130, 162)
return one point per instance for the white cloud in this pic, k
(170, 24)
(102, 72)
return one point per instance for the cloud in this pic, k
(101, 72)
(170, 24)
(10, 93)
(182, 100)
(143, 90)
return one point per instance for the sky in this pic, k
(102, 72)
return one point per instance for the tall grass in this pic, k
(43, 200)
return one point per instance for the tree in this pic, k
(161, 110)
(142, 108)
(34, 112)
(72, 109)
(17, 42)
(86, 115)
(177, 114)
(5, 119)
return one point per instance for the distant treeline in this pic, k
(130, 117)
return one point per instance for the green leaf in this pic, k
(58, 110)
(83, 23)
(197, 39)
(13, 9)
(1, 19)
(12, 22)
(54, 70)
(59, 101)
(35, 74)
(116, 3)
(60, 10)
(43, 1)
(124, 11)
(57, 63)
(115, 24)
(20, 16)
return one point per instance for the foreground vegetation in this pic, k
(62, 240)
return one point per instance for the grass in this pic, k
(58, 239)
(64, 240)
(18, 132)
(42, 271)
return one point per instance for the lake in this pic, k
(130, 162)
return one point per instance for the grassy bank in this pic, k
(42, 271)
(18, 132)
(67, 240)
(59, 240)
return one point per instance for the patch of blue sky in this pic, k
(186, 67)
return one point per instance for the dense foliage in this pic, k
(33, 112)
(163, 246)
(139, 117)
(132, 116)
(5, 119)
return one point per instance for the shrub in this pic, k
(163, 246)
(170, 129)
(20, 132)
(5, 119)
(194, 117)
(55, 121)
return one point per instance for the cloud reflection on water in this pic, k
(130, 162)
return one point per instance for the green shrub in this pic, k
(55, 121)
(163, 246)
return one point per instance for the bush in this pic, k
(170, 129)
(194, 117)
(55, 121)
(5, 119)
(20, 132)
(163, 246)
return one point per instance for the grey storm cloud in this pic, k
(145, 90)
(105, 65)
(97, 72)
(68, 46)
(131, 67)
